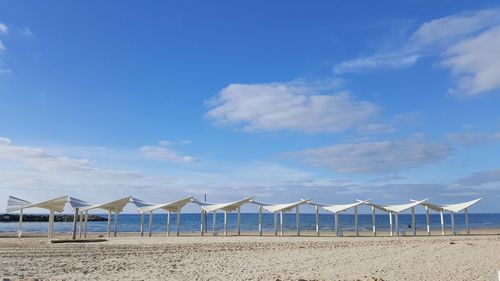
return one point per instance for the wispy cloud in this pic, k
(3, 28)
(294, 106)
(375, 157)
(162, 151)
(466, 42)
(480, 178)
(473, 138)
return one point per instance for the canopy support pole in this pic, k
(150, 223)
(80, 228)
(453, 223)
(168, 222)
(413, 221)
(214, 223)
(260, 220)
(442, 222)
(427, 220)
(85, 221)
(115, 227)
(75, 223)
(356, 220)
(390, 224)
(374, 222)
(202, 222)
(396, 216)
(317, 221)
(178, 222)
(109, 223)
(281, 223)
(51, 223)
(275, 224)
(239, 220)
(20, 227)
(297, 220)
(467, 221)
(142, 224)
(336, 224)
(225, 222)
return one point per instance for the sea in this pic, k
(190, 223)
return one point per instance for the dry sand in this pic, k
(474, 257)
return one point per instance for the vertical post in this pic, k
(202, 222)
(453, 223)
(142, 223)
(109, 223)
(20, 227)
(178, 222)
(214, 223)
(336, 224)
(442, 222)
(390, 224)
(150, 224)
(396, 216)
(75, 223)
(115, 227)
(225, 222)
(317, 220)
(413, 226)
(80, 228)
(169, 213)
(297, 220)
(374, 222)
(205, 216)
(260, 220)
(356, 220)
(239, 221)
(85, 221)
(51, 223)
(281, 223)
(427, 220)
(467, 221)
(275, 223)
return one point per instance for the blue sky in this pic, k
(280, 100)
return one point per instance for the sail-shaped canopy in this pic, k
(77, 203)
(396, 208)
(449, 207)
(281, 207)
(114, 206)
(230, 206)
(170, 206)
(340, 208)
(56, 204)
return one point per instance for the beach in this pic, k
(251, 257)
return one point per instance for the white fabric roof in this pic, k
(231, 206)
(77, 203)
(115, 206)
(56, 204)
(450, 207)
(281, 207)
(170, 206)
(341, 208)
(396, 208)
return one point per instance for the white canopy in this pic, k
(450, 207)
(343, 207)
(170, 206)
(56, 204)
(77, 203)
(281, 207)
(231, 206)
(114, 206)
(396, 208)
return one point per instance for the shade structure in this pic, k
(452, 208)
(53, 205)
(336, 210)
(115, 207)
(175, 206)
(281, 209)
(77, 205)
(396, 209)
(226, 207)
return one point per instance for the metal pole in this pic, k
(202, 222)
(20, 227)
(178, 222)
(275, 224)
(297, 220)
(442, 222)
(80, 228)
(214, 223)
(396, 216)
(109, 223)
(239, 221)
(317, 221)
(337, 224)
(85, 221)
(374, 222)
(115, 227)
(168, 222)
(390, 224)
(427, 220)
(467, 221)
(356, 220)
(206, 215)
(281, 223)
(225, 222)
(51, 223)
(413, 221)
(75, 223)
(142, 224)
(453, 223)
(260, 220)
(150, 225)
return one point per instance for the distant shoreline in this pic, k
(45, 218)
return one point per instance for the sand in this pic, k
(475, 257)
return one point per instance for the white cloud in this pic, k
(4, 141)
(472, 138)
(480, 178)
(164, 153)
(3, 28)
(170, 143)
(295, 106)
(375, 157)
(2, 47)
(468, 44)
(376, 128)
